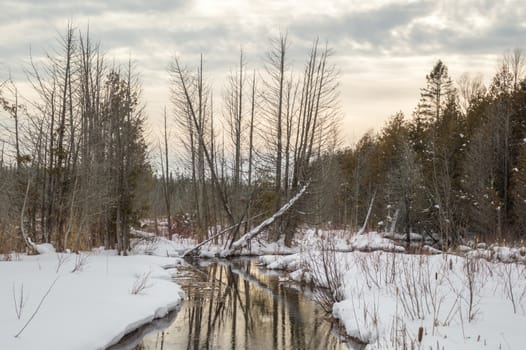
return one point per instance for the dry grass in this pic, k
(81, 260)
(328, 273)
(141, 284)
(10, 241)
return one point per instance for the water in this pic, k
(237, 305)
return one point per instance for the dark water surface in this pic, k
(237, 305)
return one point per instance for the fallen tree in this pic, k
(243, 241)
(222, 232)
(364, 227)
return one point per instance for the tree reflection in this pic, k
(234, 305)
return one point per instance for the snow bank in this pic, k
(141, 234)
(385, 298)
(256, 247)
(459, 303)
(285, 262)
(160, 246)
(44, 248)
(374, 241)
(403, 236)
(344, 241)
(498, 253)
(91, 304)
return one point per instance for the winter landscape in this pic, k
(263, 175)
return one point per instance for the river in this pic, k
(236, 304)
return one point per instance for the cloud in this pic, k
(420, 28)
(371, 28)
(392, 28)
(15, 9)
(373, 41)
(484, 29)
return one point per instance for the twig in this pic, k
(141, 283)
(19, 304)
(80, 262)
(61, 259)
(38, 307)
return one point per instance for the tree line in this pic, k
(453, 171)
(76, 168)
(74, 157)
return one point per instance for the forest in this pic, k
(77, 168)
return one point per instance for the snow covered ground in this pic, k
(389, 300)
(176, 247)
(160, 246)
(386, 298)
(87, 301)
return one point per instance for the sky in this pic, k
(383, 48)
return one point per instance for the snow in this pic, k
(433, 292)
(307, 238)
(160, 246)
(287, 262)
(473, 300)
(374, 241)
(464, 248)
(498, 253)
(402, 237)
(426, 249)
(91, 304)
(141, 234)
(44, 248)
(387, 296)
(180, 245)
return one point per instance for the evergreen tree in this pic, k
(436, 123)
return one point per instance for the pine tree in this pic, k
(436, 134)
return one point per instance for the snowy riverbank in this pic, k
(456, 302)
(87, 301)
(386, 299)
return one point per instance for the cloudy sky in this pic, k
(383, 48)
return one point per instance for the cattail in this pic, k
(420, 334)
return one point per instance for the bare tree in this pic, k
(236, 124)
(182, 82)
(165, 174)
(471, 89)
(273, 95)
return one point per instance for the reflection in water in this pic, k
(237, 306)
